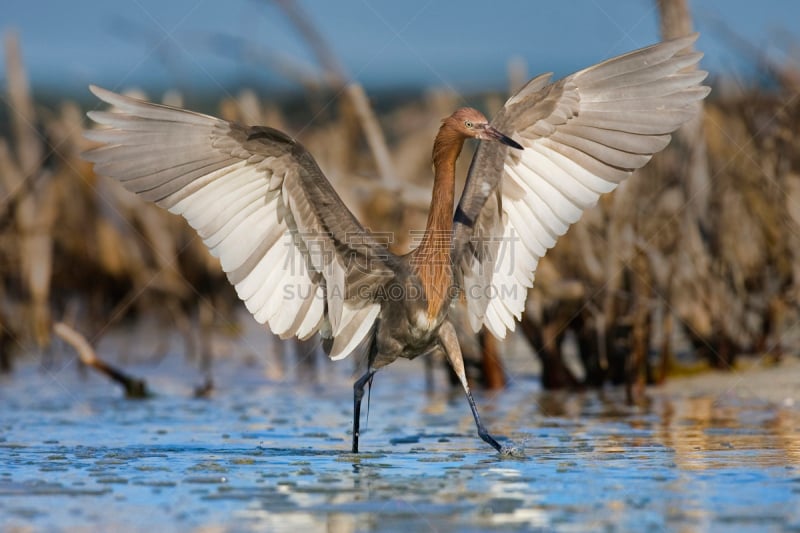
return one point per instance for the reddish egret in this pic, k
(303, 264)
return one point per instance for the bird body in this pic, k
(303, 264)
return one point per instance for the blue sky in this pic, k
(465, 45)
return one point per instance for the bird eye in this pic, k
(468, 124)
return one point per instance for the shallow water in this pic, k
(266, 454)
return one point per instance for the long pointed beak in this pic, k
(495, 135)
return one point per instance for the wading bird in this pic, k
(303, 264)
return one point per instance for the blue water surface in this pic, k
(266, 453)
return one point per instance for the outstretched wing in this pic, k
(297, 256)
(581, 136)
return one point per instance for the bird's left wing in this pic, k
(581, 136)
(296, 255)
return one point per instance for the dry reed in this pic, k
(645, 263)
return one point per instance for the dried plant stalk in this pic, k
(23, 117)
(134, 388)
(35, 208)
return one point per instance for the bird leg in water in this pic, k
(358, 394)
(447, 335)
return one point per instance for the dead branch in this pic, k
(134, 388)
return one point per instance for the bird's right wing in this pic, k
(296, 255)
(581, 137)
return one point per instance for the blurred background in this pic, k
(691, 264)
(215, 47)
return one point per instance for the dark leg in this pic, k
(482, 433)
(358, 394)
(447, 335)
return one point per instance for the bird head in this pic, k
(471, 123)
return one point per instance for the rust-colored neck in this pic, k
(432, 258)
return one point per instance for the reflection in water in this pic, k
(263, 455)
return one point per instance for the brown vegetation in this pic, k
(713, 258)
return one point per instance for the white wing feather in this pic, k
(581, 137)
(248, 207)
